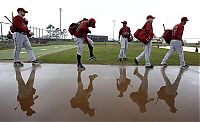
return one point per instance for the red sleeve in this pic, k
(148, 27)
(179, 32)
(18, 23)
(129, 30)
(120, 32)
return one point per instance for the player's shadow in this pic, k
(140, 97)
(81, 98)
(169, 92)
(26, 91)
(122, 82)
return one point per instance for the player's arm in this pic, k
(120, 33)
(130, 31)
(149, 29)
(180, 34)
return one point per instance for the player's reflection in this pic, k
(122, 82)
(80, 100)
(141, 96)
(26, 91)
(169, 92)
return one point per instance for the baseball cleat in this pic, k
(119, 59)
(185, 66)
(136, 61)
(92, 77)
(18, 64)
(149, 66)
(92, 58)
(164, 65)
(36, 62)
(80, 68)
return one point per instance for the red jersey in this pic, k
(125, 32)
(82, 30)
(177, 31)
(149, 28)
(20, 24)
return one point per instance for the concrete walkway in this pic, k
(58, 92)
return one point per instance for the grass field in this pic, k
(108, 54)
(38, 51)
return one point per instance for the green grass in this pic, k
(108, 54)
(38, 51)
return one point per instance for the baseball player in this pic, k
(177, 43)
(124, 35)
(10, 39)
(80, 100)
(20, 38)
(80, 37)
(141, 96)
(122, 82)
(169, 91)
(26, 91)
(149, 29)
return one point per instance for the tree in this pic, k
(50, 28)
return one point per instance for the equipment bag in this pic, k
(167, 35)
(72, 28)
(142, 36)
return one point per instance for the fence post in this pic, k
(1, 32)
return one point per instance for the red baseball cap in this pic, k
(184, 19)
(21, 9)
(124, 22)
(150, 16)
(92, 22)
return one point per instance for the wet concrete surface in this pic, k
(58, 92)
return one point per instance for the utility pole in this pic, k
(113, 30)
(60, 9)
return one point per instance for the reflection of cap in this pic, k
(124, 22)
(90, 112)
(150, 16)
(173, 109)
(183, 19)
(30, 112)
(21, 9)
(120, 94)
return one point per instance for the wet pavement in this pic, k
(58, 92)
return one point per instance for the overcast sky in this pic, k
(45, 12)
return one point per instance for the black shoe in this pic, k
(164, 65)
(125, 59)
(36, 62)
(18, 64)
(136, 61)
(185, 66)
(80, 67)
(119, 59)
(92, 58)
(149, 66)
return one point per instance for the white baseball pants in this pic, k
(19, 41)
(175, 45)
(124, 47)
(146, 53)
(79, 44)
